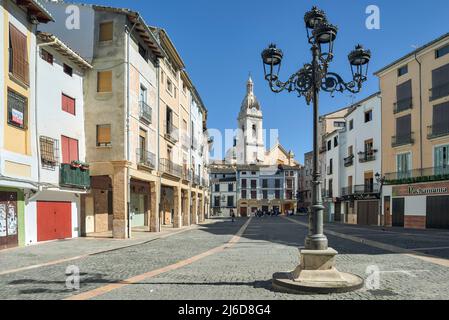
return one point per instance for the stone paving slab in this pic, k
(243, 271)
(48, 252)
(49, 282)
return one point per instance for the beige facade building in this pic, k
(415, 137)
(138, 112)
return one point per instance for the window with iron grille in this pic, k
(49, 149)
(17, 110)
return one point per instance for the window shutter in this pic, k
(65, 149)
(19, 54)
(73, 150)
(106, 31)
(403, 126)
(404, 91)
(103, 135)
(440, 76)
(441, 118)
(104, 81)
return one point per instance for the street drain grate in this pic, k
(384, 293)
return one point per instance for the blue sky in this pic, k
(221, 40)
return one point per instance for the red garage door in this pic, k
(54, 220)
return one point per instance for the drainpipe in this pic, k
(158, 70)
(420, 113)
(128, 115)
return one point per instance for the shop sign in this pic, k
(421, 189)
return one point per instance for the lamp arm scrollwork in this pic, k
(333, 82)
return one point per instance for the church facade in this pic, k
(266, 180)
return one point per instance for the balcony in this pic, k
(347, 191)
(171, 133)
(437, 131)
(323, 148)
(186, 174)
(418, 175)
(439, 92)
(402, 105)
(367, 188)
(364, 189)
(349, 161)
(146, 159)
(74, 177)
(367, 156)
(402, 140)
(168, 167)
(196, 180)
(145, 112)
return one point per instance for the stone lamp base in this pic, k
(317, 274)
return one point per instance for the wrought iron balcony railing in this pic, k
(349, 161)
(439, 130)
(361, 189)
(418, 175)
(402, 140)
(145, 112)
(171, 132)
(196, 180)
(402, 105)
(186, 174)
(146, 159)
(169, 167)
(439, 92)
(367, 156)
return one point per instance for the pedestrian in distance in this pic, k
(232, 216)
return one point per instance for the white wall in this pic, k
(31, 213)
(52, 121)
(362, 131)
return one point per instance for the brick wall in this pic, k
(415, 222)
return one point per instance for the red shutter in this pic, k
(73, 150)
(71, 105)
(68, 104)
(65, 150)
(64, 103)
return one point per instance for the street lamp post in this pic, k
(316, 271)
(381, 180)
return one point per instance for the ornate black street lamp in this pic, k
(317, 260)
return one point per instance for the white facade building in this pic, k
(353, 158)
(53, 212)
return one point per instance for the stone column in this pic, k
(120, 200)
(185, 208)
(177, 223)
(155, 225)
(201, 209)
(193, 215)
(188, 207)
